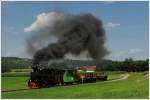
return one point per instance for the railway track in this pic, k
(122, 77)
(15, 90)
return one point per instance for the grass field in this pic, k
(15, 74)
(9, 83)
(136, 86)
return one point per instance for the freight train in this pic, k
(54, 76)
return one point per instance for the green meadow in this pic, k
(135, 86)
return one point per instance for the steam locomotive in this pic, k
(55, 76)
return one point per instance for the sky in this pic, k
(126, 25)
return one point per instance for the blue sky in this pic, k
(126, 25)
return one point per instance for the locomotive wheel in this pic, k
(32, 85)
(105, 78)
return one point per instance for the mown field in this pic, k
(136, 86)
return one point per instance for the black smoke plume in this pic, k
(74, 33)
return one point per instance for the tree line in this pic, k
(129, 64)
(8, 63)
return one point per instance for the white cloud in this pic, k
(17, 52)
(121, 55)
(112, 25)
(117, 55)
(12, 30)
(109, 2)
(135, 50)
(15, 33)
(44, 21)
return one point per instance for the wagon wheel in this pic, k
(32, 85)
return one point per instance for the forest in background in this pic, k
(130, 65)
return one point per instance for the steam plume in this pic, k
(74, 33)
